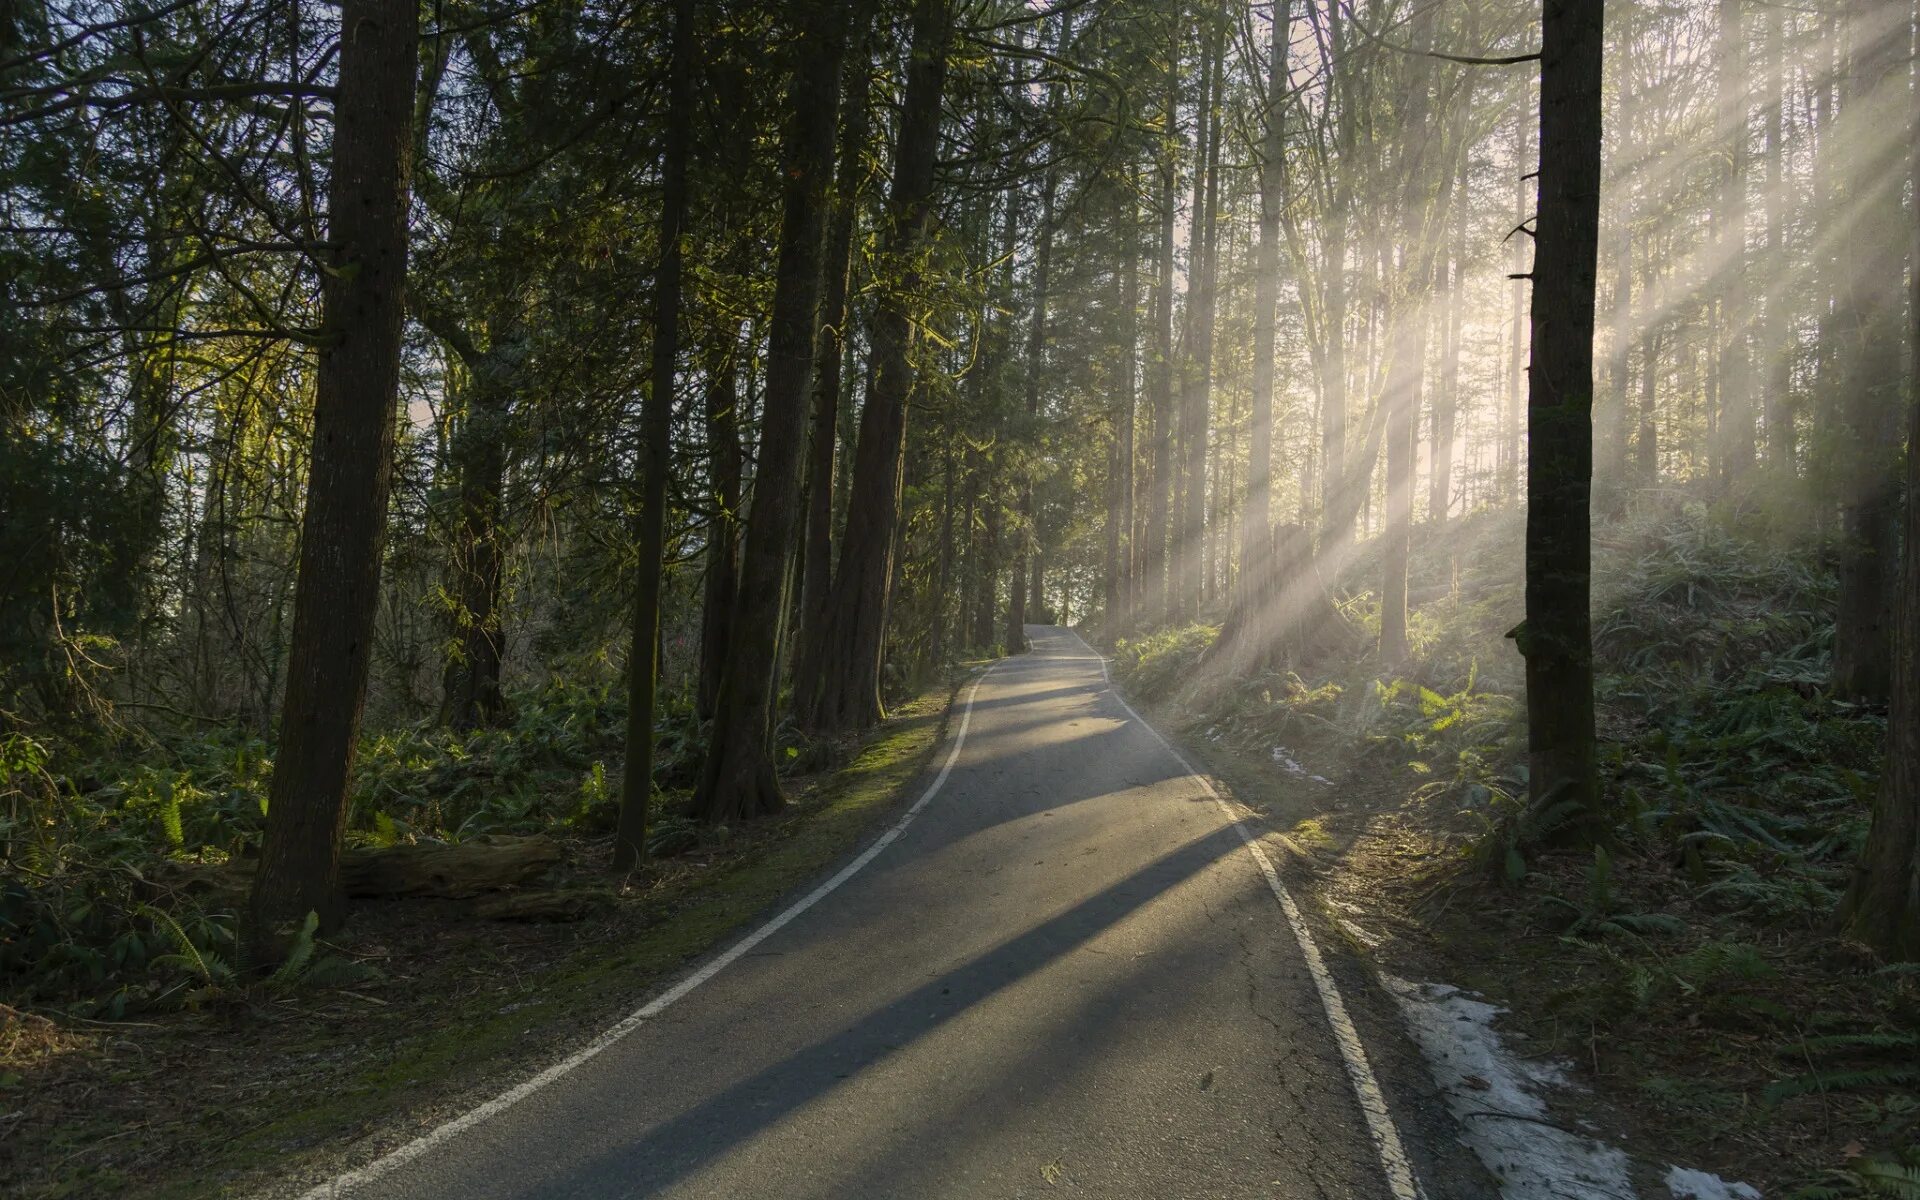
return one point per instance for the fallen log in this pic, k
(434, 870)
(481, 864)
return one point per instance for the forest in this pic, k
(495, 495)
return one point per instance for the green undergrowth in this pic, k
(1694, 963)
(89, 828)
(441, 1035)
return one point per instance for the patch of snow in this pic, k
(1293, 766)
(1688, 1184)
(1496, 1097)
(1354, 931)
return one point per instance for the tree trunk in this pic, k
(1736, 384)
(1612, 466)
(1119, 591)
(1868, 328)
(996, 322)
(342, 530)
(656, 455)
(737, 778)
(725, 471)
(1335, 508)
(1256, 520)
(1408, 350)
(835, 315)
(1155, 590)
(1882, 907)
(943, 572)
(1019, 601)
(1446, 403)
(1647, 440)
(843, 691)
(1509, 454)
(1189, 559)
(1247, 627)
(471, 682)
(1556, 637)
(986, 603)
(1781, 448)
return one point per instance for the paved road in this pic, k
(1067, 976)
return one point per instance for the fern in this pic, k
(1885, 1177)
(170, 816)
(1861, 1041)
(1841, 1080)
(299, 954)
(1721, 959)
(214, 974)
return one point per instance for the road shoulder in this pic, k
(267, 1097)
(1298, 822)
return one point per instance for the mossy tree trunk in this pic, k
(1154, 590)
(737, 778)
(816, 582)
(843, 693)
(656, 453)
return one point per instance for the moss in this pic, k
(1310, 836)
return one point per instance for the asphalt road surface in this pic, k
(1068, 975)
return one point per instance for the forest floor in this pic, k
(1678, 1084)
(1688, 985)
(220, 1099)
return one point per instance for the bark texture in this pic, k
(1556, 637)
(1882, 908)
(725, 470)
(841, 689)
(656, 455)
(816, 582)
(737, 778)
(1867, 327)
(357, 384)
(471, 695)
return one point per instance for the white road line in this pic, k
(1366, 1088)
(387, 1163)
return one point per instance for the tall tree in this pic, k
(736, 776)
(1256, 519)
(1869, 170)
(726, 473)
(1882, 907)
(843, 690)
(1736, 451)
(1189, 559)
(1517, 331)
(849, 175)
(471, 693)
(656, 453)
(1557, 637)
(1408, 350)
(1156, 591)
(1024, 590)
(1120, 508)
(1776, 350)
(356, 388)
